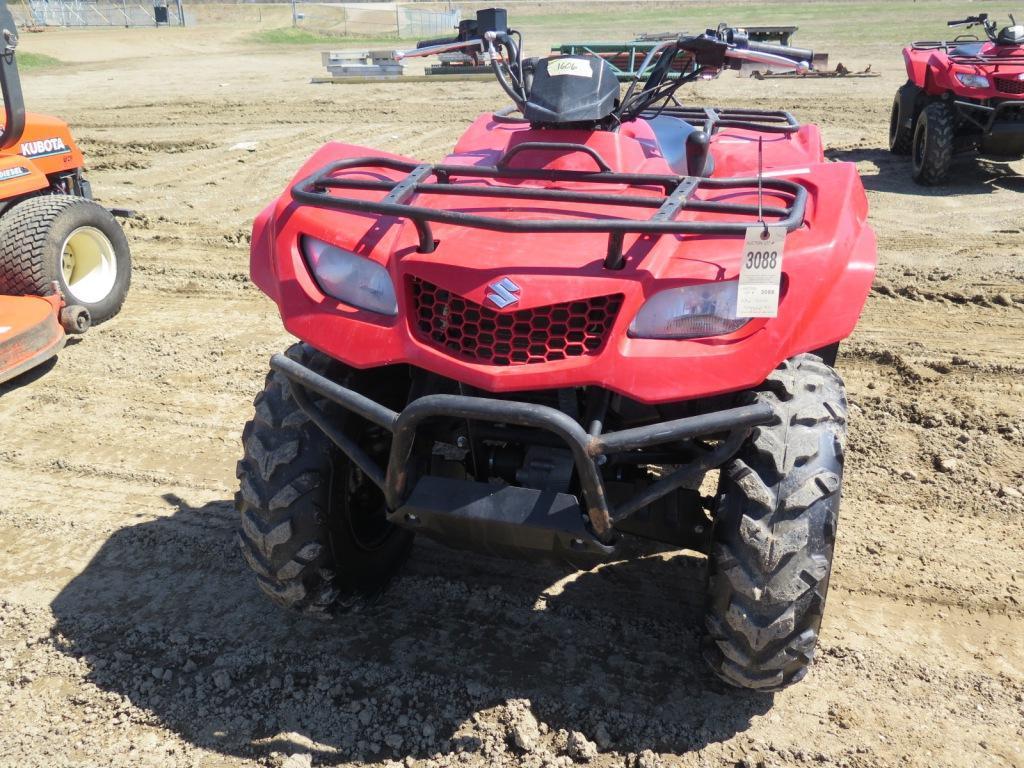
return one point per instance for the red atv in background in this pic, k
(542, 345)
(962, 96)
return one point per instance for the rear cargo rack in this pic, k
(316, 190)
(712, 119)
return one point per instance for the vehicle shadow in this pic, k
(28, 377)
(37, 372)
(167, 616)
(881, 171)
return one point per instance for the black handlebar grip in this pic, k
(797, 54)
(961, 22)
(437, 41)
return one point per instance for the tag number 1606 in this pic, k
(762, 259)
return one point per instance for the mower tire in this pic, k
(313, 526)
(932, 151)
(71, 241)
(901, 137)
(774, 531)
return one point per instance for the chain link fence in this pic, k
(102, 13)
(375, 20)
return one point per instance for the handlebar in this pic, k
(437, 41)
(492, 42)
(979, 19)
(772, 59)
(432, 50)
(786, 51)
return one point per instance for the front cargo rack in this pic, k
(713, 119)
(962, 57)
(316, 190)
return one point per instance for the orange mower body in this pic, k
(45, 153)
(64, 259)
(30, 333)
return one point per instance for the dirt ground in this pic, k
(132, 635)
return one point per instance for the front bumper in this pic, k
(731, 425)
(1002, 126)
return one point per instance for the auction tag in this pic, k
(760, 272)
(568, 66)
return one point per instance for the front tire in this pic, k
(313, 527)
(774, 532)
(71, 241)
(932, 152)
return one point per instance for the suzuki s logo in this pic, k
(503, 293)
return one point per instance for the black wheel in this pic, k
(901, 135)
(933, 143)
(71, 241)
(774, 531)
(313, 526)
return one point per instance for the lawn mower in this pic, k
(964, 96)
(64, 259)
(543, 345)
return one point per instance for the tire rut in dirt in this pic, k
(775, 528)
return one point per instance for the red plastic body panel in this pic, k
(30, 333)
(828, 267)
(935, 70)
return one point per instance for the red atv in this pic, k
(544, 343)
(962, 96)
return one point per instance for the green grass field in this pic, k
(33, 61)
(299, 36)
(824, 25)
(863, 26)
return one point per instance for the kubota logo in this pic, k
(54, 146)
(503, 293)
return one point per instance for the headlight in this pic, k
(350, 278)
(972, 81)
(707, 309)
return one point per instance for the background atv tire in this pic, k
(313, 548)
(932, 151)
(72, 241)
(901, 138)
(774, 532)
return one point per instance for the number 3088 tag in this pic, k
(760, 272)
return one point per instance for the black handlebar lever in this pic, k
(970, 21)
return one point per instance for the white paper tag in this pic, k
(566, 66)
(760, 272)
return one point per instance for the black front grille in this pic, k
(1006, 85)
(471, 331)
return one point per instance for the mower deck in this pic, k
(30, 333)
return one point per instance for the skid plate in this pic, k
(504, 520)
